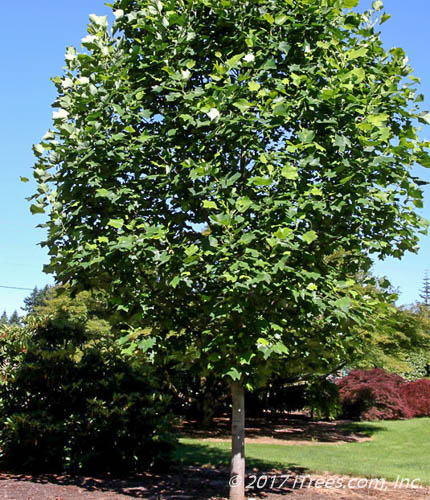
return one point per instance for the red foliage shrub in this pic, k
(417, 396)
(373, 395)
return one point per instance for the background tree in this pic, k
(37, 298)
(399, 342)
(425, 291)
(14, 319)
(282, 128)
(4, 319)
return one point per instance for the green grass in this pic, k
(398, 448)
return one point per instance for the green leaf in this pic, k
(424, 117)
(37, 209)
(341, 142)
(280, 348)
(281, 19)
(269, 18)
(191, 250)
(210, 204)
(38, 149)
(355, 53)
(24, 179)
(377, 5)
(190, 64)
(343, 304)
(284, 47)
(289, 172)
(261, 181)
(309, 236)
(384, 18)
(175, 281)
(283, 233)
(116, 223)
(234, 373)
(254, 86)
(377, 119)
(358, 74)
(306, 136)
(280, 110)
(269, 64)
(242, 104)
(242, 204)
(424, 159)
(146, 344)
(233, 61)
(103, 193)
(349, 4)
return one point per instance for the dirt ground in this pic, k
(193, 484)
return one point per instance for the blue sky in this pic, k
(33, 39)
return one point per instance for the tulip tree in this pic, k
(207, 160)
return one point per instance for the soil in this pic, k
(190, 483)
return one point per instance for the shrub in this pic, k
(373, 395)
(322, 398)
(70, 402)
(417, 395)
(278, 397)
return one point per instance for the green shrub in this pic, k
(322, 398)
(71, 402)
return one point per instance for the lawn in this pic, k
(398, 448)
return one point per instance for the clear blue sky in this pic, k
(33, 39)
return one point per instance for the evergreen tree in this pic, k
(14, 319)
(37, 298)
(4, 319)
(425, 291)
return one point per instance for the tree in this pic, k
(425, 291)
(14, 319)
(37, 298)
(207, 160)
(398, 342)
(4, 319)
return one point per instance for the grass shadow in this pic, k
(288, 429)
(217, 461)
(361, 429)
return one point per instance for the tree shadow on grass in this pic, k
(287, 429)
(216, 461)
(361, 429)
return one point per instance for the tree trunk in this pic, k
(237, 471)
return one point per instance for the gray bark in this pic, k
(237, 471)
